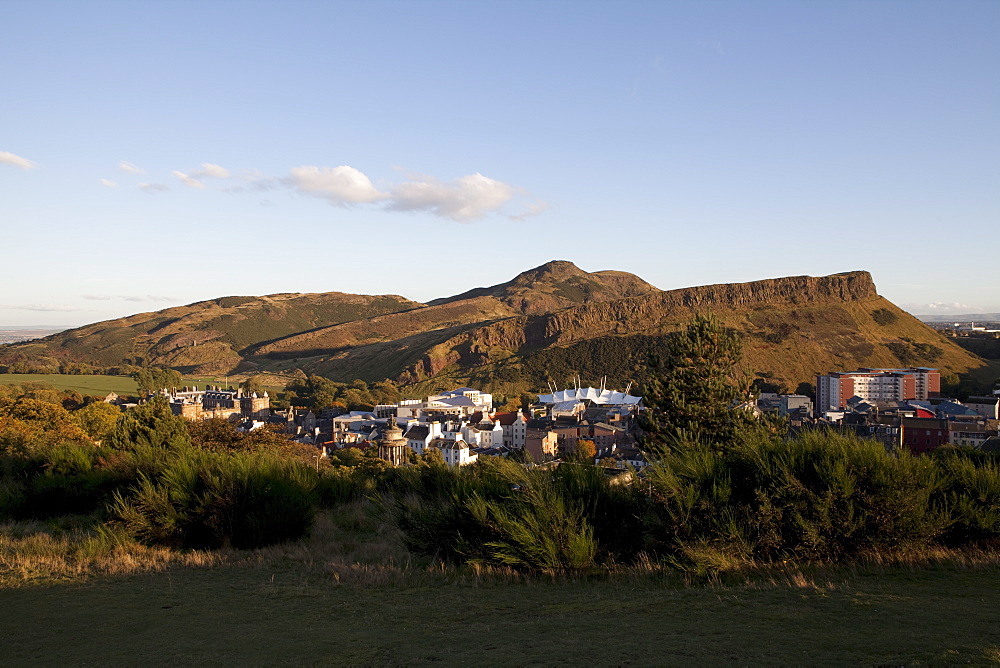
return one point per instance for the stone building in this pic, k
(392, 446)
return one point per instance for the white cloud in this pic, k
(340, 185)
(187, 180)
(8, 158)
(942, 308)
(109, 183)
(532, 209)
(211, 171)
(129, 168)
(208, 170)
(465, 199)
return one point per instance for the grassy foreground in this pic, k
(349, 594)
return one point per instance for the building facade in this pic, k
(836, 388)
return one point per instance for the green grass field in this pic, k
(288, 615)
(351, 594)
(102, 385)
(96, 385)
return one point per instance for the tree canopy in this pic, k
(695, 385)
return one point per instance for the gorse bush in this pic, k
(968, 494)
(208, 500)
(816, 496)
(498, 512)
(537, 527)
(68, 478)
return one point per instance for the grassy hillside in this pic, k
(789, 340)
(203, 338)
(553, 322)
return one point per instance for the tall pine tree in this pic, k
(695, 386)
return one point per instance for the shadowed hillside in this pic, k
(552, 322)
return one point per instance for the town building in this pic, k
(392, 446)
(215, 402)
(988, 407)
(835, 389)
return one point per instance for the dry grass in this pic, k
(38, 553)
(352, 545)
(351, 594)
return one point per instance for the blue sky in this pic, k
(154, 154)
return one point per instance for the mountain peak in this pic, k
(553, 269)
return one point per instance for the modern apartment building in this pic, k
(834, 389)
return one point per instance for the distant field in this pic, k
(102, 385)
(96, 385)
(301, 616)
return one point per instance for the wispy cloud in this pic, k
(109, 183)
(130, 298)
(942, 308)
(8, 158)
(465, 199)
(45, 308)
(187, 180)
(129, 168)
(207, 171)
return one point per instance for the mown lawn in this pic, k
(297, 615)
(102, 385)
(96, 385)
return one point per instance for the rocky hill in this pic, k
(552, 322)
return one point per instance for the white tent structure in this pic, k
(601, 397)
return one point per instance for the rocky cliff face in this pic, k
(644, 314)
(555, 314)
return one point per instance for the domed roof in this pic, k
(392, 434)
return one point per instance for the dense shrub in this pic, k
(150, 425)
(969, 495)
(497, 512)
(817, 496)
(884, 316)
(208, 500)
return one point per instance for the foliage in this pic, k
(819, 495)
(910, 353)
(151, 425)
(27, 424)
(98, 419)
(203, 499)
(153, 379)
(498, 512)
(585, 451)
(884, 316)
(693, 387)
(969, 493)
(316, 392)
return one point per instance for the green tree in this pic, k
(98, 419)
(251, 385)
(151, 424)
(694, 385)
(152, 378)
